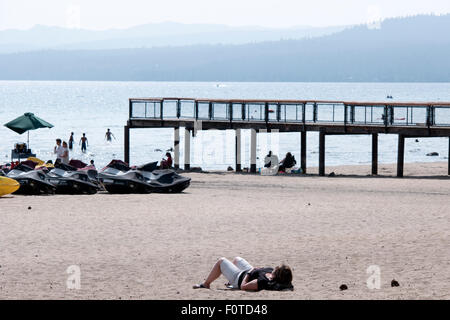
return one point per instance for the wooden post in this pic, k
(400, 155)
(374, 153)
(303, 152)
(253, 151)
(322, 153)
(238, 150)
(126, 144)
(187, 149)
(176, 147)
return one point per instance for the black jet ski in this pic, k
(148, 167)
(116, 181)
(166, 181)
(117, 164)
(32, 182)
(93, 177)
(74, 165)
(72, 182)
(65, 167)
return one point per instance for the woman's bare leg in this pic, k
(214, 274)
(235, 261)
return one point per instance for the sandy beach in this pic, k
(156, 246)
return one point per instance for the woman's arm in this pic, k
(249, 286)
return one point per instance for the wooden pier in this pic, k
(407, 120)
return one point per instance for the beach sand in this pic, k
(156, 246)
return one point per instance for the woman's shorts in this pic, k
(232, 271)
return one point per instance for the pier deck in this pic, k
(406, 119)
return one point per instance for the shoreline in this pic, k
(389, 170)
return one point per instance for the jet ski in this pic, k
(72, 182)
(117, 181)
(93, 178)
(117, 164)
(32, 182)
(65, 167)
(166, 181)
(148, 167)
(77, 164)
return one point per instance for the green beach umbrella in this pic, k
(26, 123)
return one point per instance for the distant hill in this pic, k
(411, 49)
(147, 36)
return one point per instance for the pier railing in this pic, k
(293, 111)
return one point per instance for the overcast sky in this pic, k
(104, 14)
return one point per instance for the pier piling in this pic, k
(321, 153)
(176, 147)
(400, 155)
(374, 153)
(238, 150)
(187, 149)
(253, 151)
(127, 144)
(303, 151)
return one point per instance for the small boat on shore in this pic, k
(32, 182)
(166, 181)
(116, 181)
(8, 186)
(72, 182)
(118, 177)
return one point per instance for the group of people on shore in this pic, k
(287, 163)
(62, 148)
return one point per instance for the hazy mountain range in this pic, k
(403, 49)
(148, 36)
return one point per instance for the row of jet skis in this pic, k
(116, 177)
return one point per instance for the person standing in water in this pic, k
(71, 141)
(84, 143)
(108, 135)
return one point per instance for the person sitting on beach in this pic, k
(288, 162)
(166, 163)
(268, 160)
(241, 275)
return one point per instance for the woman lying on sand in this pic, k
(241, 275)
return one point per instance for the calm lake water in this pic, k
(92, 107)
